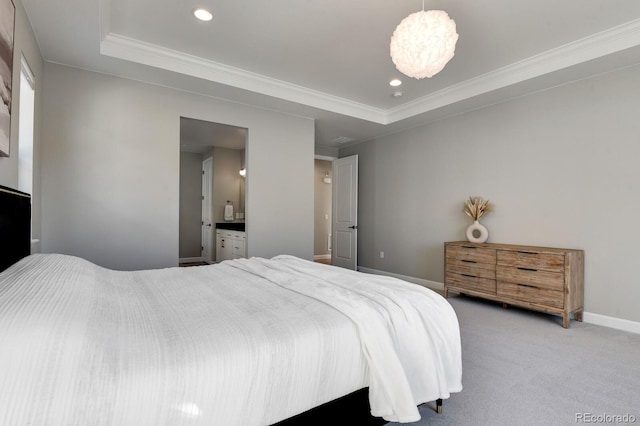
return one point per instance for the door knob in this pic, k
(353, 227)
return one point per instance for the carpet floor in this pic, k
(522, 368)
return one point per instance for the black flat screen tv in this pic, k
(15, 226)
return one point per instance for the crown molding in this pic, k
(592, 47)
(133, 50)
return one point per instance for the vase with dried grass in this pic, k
(475, 208)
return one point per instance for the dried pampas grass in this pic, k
(476, 207)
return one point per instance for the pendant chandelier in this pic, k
(423, 43)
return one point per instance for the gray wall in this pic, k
(110, 182)
(25, 44)
(190, 234)
(322, 206)
(560, 166)
(326, 151)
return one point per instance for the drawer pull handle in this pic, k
(527, 285)
(468, 261)
(469, 247)
(467, 275)
(527, 269)
(527, 252)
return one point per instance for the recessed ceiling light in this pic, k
(395, 82)
(202, 14)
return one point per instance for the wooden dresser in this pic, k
(541, 278)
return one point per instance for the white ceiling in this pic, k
(329, 59)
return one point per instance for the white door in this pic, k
(207, 217)
(344, 251)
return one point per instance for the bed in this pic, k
(244, 342)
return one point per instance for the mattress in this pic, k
(244, 342)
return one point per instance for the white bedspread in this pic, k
(218, 344)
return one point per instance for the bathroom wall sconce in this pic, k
(326, 178)
(243, 172)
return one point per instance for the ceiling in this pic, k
(329, 59)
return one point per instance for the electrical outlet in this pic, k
(381, 255)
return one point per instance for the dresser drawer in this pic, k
(470, 282)
(471, 254)
(531, 260)
(477, 270)
(532, 294)
(520, 275)
(470, 264)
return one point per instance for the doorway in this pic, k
(322, 209)
(221, 147)
(336, 211)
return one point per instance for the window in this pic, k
(25, 130)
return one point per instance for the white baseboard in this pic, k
(588, 317)
(190, 259)
(425, 283)
(322, 257)
(612, 322)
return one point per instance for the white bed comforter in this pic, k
(244, 342)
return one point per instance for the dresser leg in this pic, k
(505, 306)
(579, 316)
(566, 320)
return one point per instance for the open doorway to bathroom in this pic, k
(212, 177)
